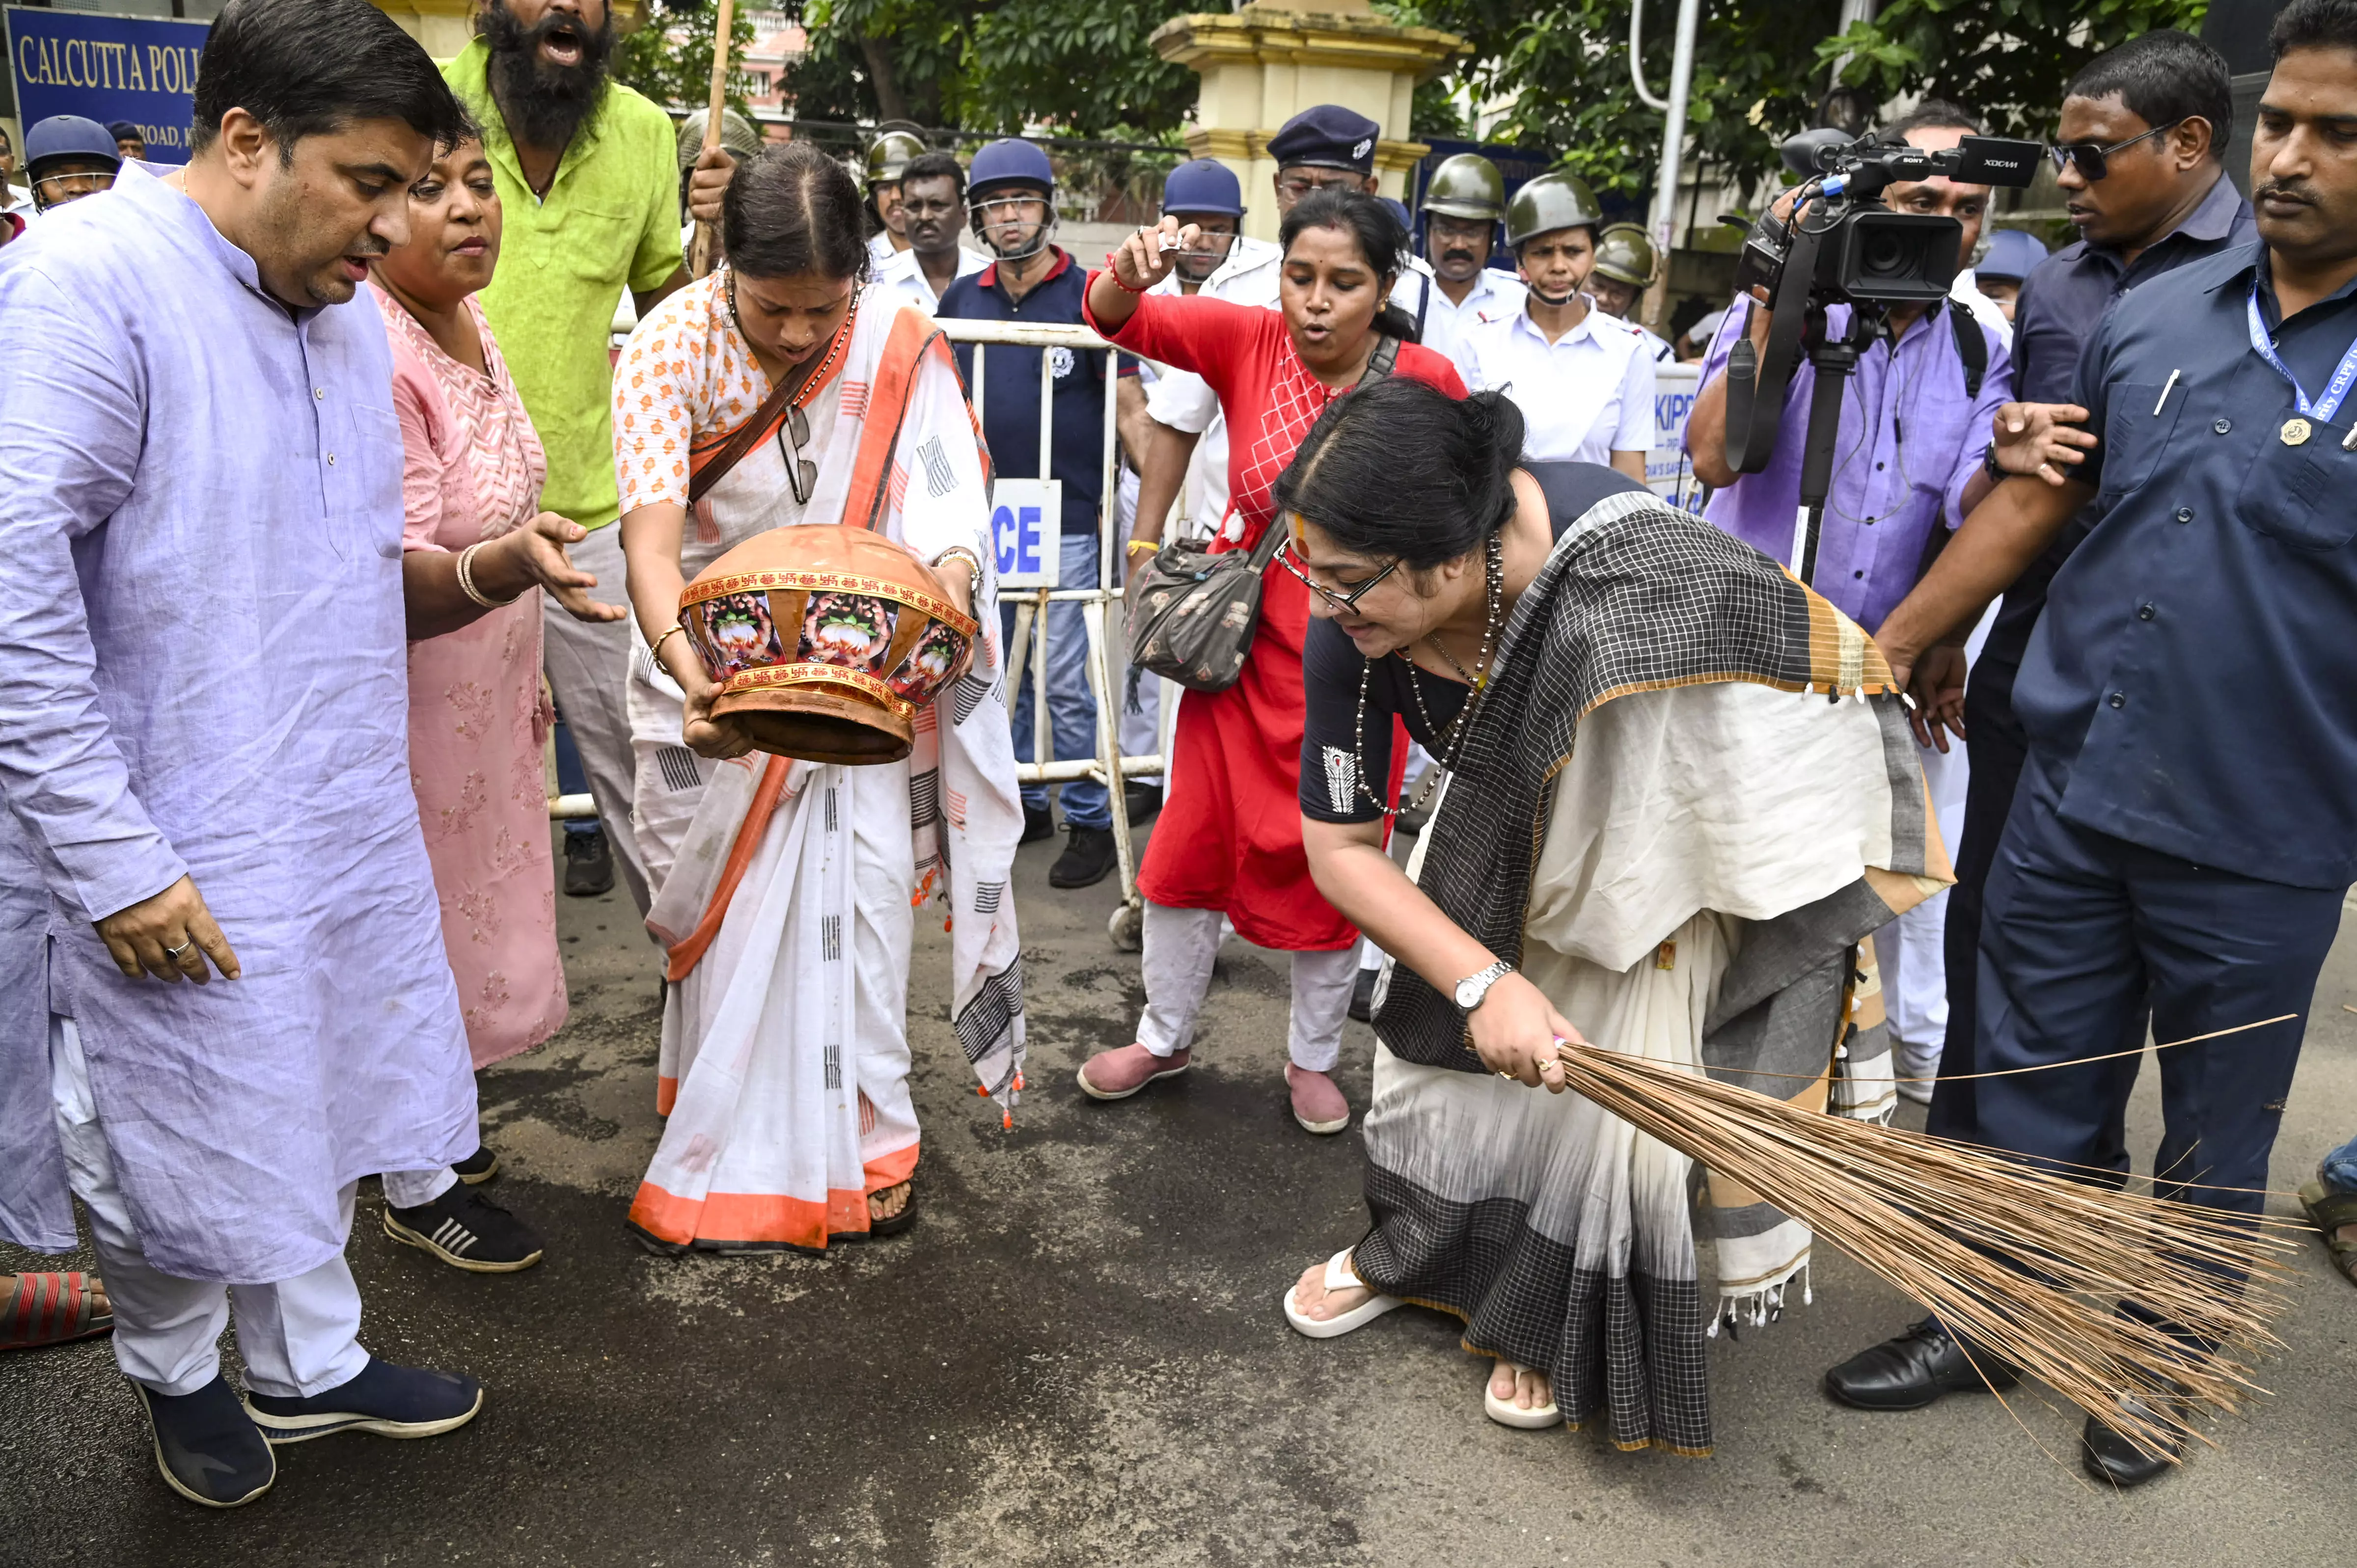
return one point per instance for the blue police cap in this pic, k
(1327, 135)
(1202, 185)
(69, 137)
(125, 131)
(1009, 161)
(2011, 255)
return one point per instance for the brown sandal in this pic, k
(53, 1309)
(2330, 1211)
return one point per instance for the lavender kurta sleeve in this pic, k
(202, 672)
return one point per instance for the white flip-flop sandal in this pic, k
(1506, 1412)
(1339, 1277)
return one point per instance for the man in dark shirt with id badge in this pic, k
(2186, 821)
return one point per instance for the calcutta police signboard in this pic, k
(1668, 472)
(140, 69)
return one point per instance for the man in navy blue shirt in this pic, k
(1011, 190)
(2186, 821)
(2154, 114)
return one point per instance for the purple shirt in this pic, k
(203, 669)
(1909, 441)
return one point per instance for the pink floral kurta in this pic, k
(471, 469)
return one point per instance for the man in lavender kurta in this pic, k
(203, 717)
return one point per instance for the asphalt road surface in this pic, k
(1076, 1356)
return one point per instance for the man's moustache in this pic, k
(2287, 192)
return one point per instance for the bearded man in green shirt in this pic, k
(590, 195)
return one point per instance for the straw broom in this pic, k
(2025, 1263)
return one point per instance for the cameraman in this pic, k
(1908, 455)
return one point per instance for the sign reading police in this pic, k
(106, 68)
(1026, 531)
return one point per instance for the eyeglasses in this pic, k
(1294, 186)
(801, 472)
(1349, 600)
(2091, 159)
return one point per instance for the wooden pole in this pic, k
(702, 251)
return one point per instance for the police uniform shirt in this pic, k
(1585, 396)
(1494, 294)
(903, 280)
(2192, 687)
(1010, 393)
(880, 249)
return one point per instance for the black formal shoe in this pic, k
(390, 1401)
(1362, 995)
(477, 1167)
(207, 1448)
(2109, 1457)
(1038, 822)
(1087, 860)
(1917, 1367)
(588, 864)
(1142, 798)
(466, 1230)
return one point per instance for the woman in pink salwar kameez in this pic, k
(477, 550)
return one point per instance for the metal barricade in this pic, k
(1109, 767)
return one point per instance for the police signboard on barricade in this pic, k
(1027, 531)
(140, 69)
(1668, 474)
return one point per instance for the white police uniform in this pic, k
(1585, 396)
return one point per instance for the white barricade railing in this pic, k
(1108, 767)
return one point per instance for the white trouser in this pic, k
(588, 664)
(1180, 945)
(298, 1337)
(407, 1189)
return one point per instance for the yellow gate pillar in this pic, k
(1264, 63)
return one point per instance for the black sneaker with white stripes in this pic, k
(466, 1230)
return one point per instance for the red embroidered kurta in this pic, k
(1230, 836)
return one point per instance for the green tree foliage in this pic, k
(669, 57)
(1083, 66)
(1763, 68)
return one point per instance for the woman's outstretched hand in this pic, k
(1146, 257)
(534, 556)
(1514, 1032)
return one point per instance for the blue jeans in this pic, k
(2341, 1168)
(571, 779)
(1072, 706)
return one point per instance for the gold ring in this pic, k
(1507, 1075)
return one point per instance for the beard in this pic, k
(544, 103)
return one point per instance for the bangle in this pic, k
(656, 651)
(467, 578)
(1114, 273)
(1138, 544)
(959, 552)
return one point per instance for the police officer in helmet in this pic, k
(67, 157)
(1623, 271)
(888, 159)
(1463, 205)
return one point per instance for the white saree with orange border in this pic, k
(786, 891)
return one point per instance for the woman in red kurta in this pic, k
(1229, 840)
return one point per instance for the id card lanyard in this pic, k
(2297, 429)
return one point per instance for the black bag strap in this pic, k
(1971, 347)
(1381, 362)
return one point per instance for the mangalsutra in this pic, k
(1452, 742)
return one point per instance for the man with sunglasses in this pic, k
(2141, 129)
(1012, 196)
(932, 209)
(2184, 827)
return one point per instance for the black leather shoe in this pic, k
(207, 1448)
(1142, 799)
(1088, 860)
(1038, 822)
(2111, 1457)
(1914, 1370)
(1362, 995)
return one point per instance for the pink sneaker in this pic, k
(1117, 1075)
(1317, 1103)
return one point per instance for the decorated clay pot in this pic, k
(825, 641)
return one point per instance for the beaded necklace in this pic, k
(1452, 742)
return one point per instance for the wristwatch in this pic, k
(1990, 465)
(1474, 987)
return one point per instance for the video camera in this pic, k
(1840, 245)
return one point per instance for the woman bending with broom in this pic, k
(1683, 885)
